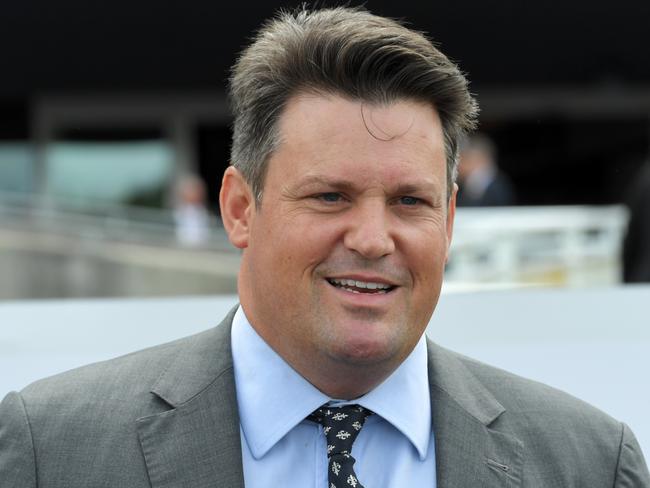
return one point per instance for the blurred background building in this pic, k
(108, 108)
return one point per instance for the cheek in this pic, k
(316, 236)
(295, 250)
(427, 256)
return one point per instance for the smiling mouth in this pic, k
(366, 287)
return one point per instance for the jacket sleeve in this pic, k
(17, 463)
(632, 471)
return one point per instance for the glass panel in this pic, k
(16, 167)
(115, 172)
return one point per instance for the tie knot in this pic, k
(341, 426)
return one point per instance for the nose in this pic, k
(369, 231)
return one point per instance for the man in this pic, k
(481, 182)
(341, 198)
(636, 245)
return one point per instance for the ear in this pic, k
(237, 207)
(451, 214)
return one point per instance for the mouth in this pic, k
(361, 287)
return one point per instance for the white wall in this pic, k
(593, 343)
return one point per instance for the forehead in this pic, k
(325, 114)
(332, 134)
(383, 146)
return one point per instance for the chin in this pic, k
(366, 353)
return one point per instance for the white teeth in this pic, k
(360, 284)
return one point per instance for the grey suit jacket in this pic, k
(167, 417)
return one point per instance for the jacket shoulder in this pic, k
(565, 441)
(67, 422)
(108, 384)
(553, 425)
(517, 393)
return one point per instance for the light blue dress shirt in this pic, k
(394, 449)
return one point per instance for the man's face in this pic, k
(344, 257)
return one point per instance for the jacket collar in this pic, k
(471, 449)
(197, 443)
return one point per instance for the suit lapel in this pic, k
(197, 443)
(470, 448)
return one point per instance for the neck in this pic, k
(341, 380)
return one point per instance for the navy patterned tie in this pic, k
(341, 426)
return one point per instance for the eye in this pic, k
(409, 200)
(330, 197)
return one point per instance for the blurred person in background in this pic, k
(636, 247)
(481, 183)
(341, 197)
(190, 213)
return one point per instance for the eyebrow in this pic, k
(423, 186)
(338, 184)
(426, 185)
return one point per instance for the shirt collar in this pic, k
(273, 398)
(411, 415)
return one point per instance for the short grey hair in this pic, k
(344, 51)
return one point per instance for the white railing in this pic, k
(561, 245)
(99, 220)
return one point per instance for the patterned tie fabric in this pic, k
(341, 426)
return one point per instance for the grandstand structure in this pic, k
(103, 111)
